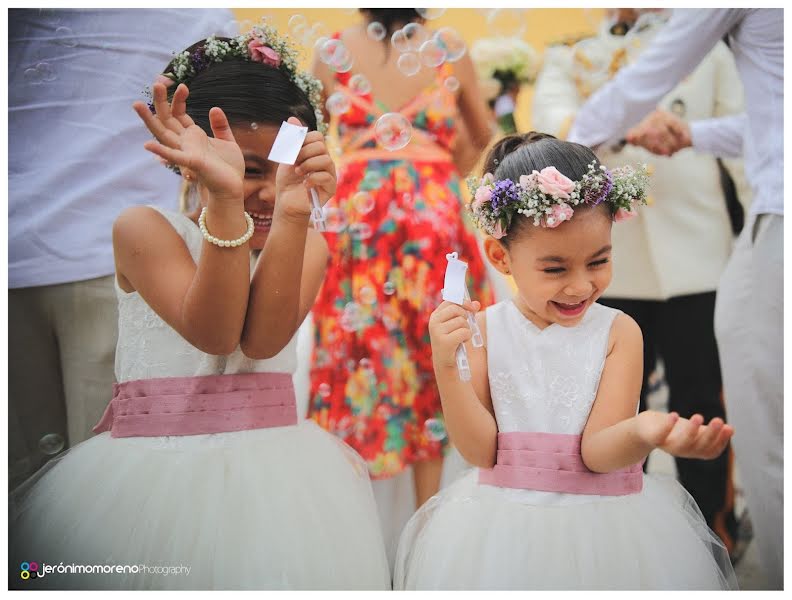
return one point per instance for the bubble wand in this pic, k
(455, 290)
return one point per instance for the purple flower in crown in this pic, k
(198, 59)
(594, 194)
(505, 192)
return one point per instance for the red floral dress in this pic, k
(395, 216)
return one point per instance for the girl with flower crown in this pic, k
(201, 462)
(559, 499)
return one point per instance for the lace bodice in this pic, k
(149, 348)
(545, 380)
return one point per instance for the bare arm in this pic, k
(279, 287)
(467, 407)
(615, 437)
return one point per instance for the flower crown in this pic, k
(261, 44)
(547, 196)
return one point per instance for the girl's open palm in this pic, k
(215, 162)
(685, 438)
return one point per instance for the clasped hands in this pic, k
(661, 132)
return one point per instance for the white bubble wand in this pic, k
(455, 290)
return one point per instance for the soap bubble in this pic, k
(33, 76)
(435, 430)
(366, 364)
(389, 288)
(335, 221)
(451, 83)
(359, 85)
(368, 295)
(450, 41)
(393, 131)
(338, 103)
(325, 390)
(363, 202)
(432, 55)
(66, 37)
(376, 31)
(296, 21)
(334, 53)
(430, 13)
(506, 22)
(409, 64)
(416, 35)
(400, 41)
(52, 443)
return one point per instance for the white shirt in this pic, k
(756, 37)
(76, 156)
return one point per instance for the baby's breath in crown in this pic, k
(262, 44)
(547, 196)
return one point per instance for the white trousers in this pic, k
(749, 330)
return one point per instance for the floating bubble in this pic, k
(66, 37)
(435, 430)
(451, 83)
(366, 364)
(409, 63)
(430, 13)
(432, 54)
(371, 181)
(334, 52)
(319, 43)
(416, 35)
(297, 21)
(345, 66)
(254, 126)
(450, 41)
(376, 31)
(393, 131)
(359, 85)
(360, 231)
(368, 295)
(399, 41)
(506, 22)
(337, 103)
(335, 221)
(52, 443)
(32, 76)
(313, 33)
(324, 390)
(363, 202)
(350, 319)
(389, 288)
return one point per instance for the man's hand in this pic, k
(661, 132)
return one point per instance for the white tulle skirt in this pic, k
(473, 536)
(280, 508)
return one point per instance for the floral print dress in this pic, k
(395, 216)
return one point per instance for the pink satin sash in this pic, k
(551, 462)
(198, 405)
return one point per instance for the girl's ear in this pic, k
(497, 255)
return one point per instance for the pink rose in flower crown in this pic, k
(259, 52)
(483, 195)
(558, 214)
(623, 214)
(487, 179)
(528, 181)
(554, 183)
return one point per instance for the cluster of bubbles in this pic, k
(51, 443)
(41, 73)
(418, 48)
(506, 22)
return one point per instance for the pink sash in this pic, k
(198, 405)
(551, 462)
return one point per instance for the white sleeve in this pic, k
(722, 136)
(678, 48)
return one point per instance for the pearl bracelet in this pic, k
(225, 243)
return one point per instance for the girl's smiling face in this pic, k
(559, 272)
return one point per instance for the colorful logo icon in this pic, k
(29, 570)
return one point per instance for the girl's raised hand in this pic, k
(313, 169)
(685, 438)
(448, 327)
(217, 162)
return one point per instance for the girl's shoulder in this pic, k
(624, 332)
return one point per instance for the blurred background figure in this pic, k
(395, 89)
(73, 75)
(668, 259)
(749, 307)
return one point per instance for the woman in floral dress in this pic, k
(395, 216)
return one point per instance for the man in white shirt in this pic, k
(75, 161)
(749, 309)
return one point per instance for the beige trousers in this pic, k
(61, 341)
(749, 326)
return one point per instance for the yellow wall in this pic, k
(543, 26)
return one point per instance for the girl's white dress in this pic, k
(278, 508)
(479, 536)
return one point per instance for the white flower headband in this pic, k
(547, 196)
(261, 44)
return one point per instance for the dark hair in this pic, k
(248, 92)
(523, 153)
(392, 18)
